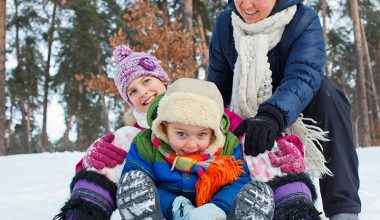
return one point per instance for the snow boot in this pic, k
(137, 197)
(254, 201)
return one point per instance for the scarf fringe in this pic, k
(311, 136)
(223, 170)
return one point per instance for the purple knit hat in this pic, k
(131, 65)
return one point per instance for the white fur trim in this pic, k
(190, 109)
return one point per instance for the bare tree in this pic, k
(325, 36)
(187, 15)
(360, 74)
(372, 99)
(2, 75)
(44, 137)
(187, 23)
(103, 103)
(203, 49)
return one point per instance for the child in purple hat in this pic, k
(139, 78)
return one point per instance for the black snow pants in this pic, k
(331, 109)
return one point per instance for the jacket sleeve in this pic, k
(226, 196)
(135, 161)
(166, 200)
(235, 119)
(219, 69)
(303, 68)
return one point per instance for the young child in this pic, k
(139, 79)
(192, 160)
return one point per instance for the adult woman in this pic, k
(267, 57)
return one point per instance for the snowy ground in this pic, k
(35, 186)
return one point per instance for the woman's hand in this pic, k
(261, 130)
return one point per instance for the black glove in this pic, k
(261, 130)
(92, 197)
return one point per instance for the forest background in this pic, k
(62, 49)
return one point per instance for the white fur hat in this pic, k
(192, 102)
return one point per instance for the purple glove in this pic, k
(290, 157)
(93, 196)
(104, 154)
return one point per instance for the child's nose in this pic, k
(192, 144)
(143, 92)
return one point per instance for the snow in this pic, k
(35, 186)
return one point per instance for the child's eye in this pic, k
(181, 134)
(202, 134)
(131, 92)
(146, 80)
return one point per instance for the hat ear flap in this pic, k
(152, 110)
(224, 123)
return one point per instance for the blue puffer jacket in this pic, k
(296, 62)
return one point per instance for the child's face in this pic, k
(188, 139)
(141, 91)
(253, 11)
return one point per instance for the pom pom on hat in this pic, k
(121, 52)
(131, 65)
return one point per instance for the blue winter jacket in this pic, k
(296, 62)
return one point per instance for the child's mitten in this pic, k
(92, 197)
(103, 153)
(290, 157)
(182, 207)
(208, 211)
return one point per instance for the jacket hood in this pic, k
(280, 5)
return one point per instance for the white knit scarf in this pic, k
(252, 83)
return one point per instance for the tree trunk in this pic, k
(187, 14)
(187, 23)
(66, 140)
(106, 121)
(325, 36)
(44, 137)
(2, 76)
(203, 45)
(103, 103)
(24, 124)
(25, 131)
(165, 18)
(360, 75)
(17, 43)
(79, 142)
(373, 98)
(378, 52)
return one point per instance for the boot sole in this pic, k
(137, 197)
(254, 201)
